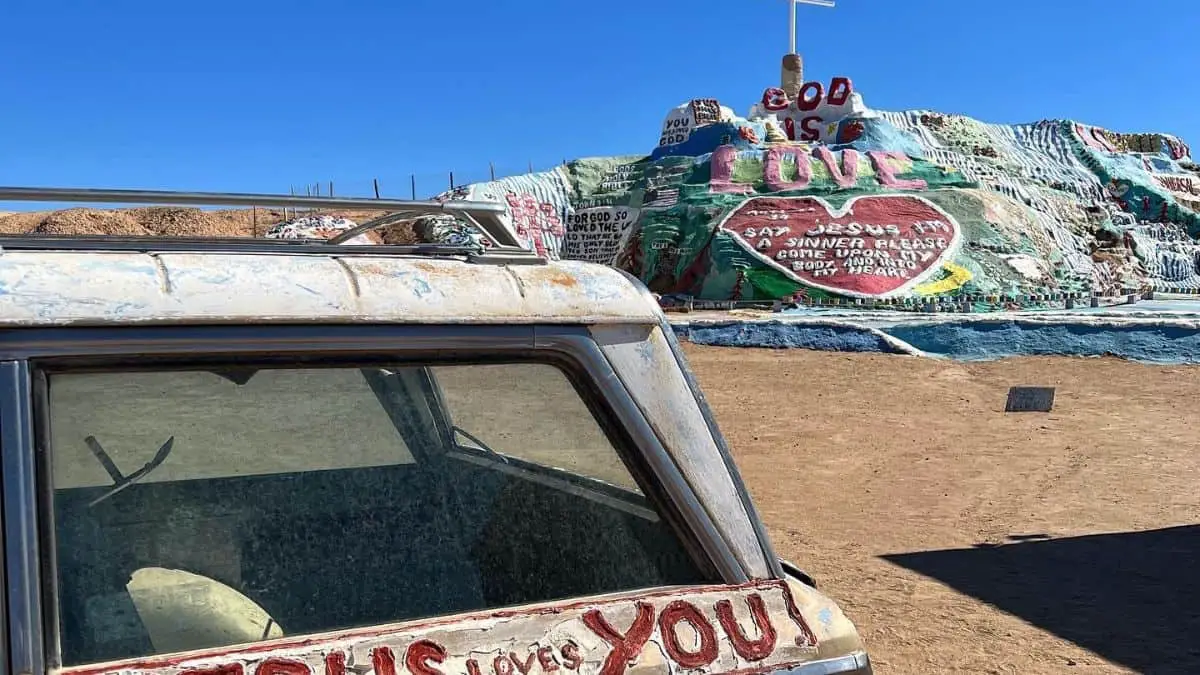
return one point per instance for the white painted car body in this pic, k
(67, 304)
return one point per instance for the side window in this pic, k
(206, 508)
(486, 403)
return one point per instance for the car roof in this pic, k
(55, 280)
(309, 284)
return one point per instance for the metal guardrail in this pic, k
(483, 215)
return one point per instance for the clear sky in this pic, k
(259, 95)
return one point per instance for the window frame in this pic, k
(27, 355)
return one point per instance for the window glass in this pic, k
(197, 509)
(538, 418)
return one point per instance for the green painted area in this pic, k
(1052, 207)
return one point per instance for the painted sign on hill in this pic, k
(822, 197)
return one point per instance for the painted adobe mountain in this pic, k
(813, 194)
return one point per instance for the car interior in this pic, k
(459, 529)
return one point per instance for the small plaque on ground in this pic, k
(1030, 399)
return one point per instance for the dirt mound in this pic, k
(89, 222)
(180, 222)
(168, 221)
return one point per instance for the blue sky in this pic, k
(258, 95)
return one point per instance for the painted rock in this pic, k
(873, 247)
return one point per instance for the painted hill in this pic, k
(813, 194)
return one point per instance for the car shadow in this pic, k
(1130, 597)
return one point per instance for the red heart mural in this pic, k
(873, 247)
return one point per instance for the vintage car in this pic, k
(252, 457)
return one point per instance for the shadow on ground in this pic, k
(1131, 597)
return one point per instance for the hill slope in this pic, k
(870, 204)
(814, 194)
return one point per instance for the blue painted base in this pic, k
(967, 341)
(986, 341)
(781, 335)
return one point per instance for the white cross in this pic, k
(792, 17)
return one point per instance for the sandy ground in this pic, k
(964, 540)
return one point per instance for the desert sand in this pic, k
(965, 540)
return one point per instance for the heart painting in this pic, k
(873, 247)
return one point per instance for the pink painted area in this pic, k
(687, 656)
(840, 89)
(810, 128)
(534, 220)
(775, 99)
(773, 169)
(887, 165)
(845, 176)
(1093, 137)
(279, 666)
(422, 657)
(721, 172)
(872, 247)
(383, 660)
(805, 100)
(806, 118)
(747, 648)
(625, 646)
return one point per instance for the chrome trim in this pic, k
(26, 647)
(557, 484)
(28, 343)
(187, 198)
(772, 559)
(857, 663)
(482, 215)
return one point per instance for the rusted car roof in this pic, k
(59, 287)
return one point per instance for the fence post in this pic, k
(254, 220)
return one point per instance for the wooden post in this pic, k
(375, 181)
(254, 219)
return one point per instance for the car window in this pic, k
(493, 408)
(331, 419)
(197, 509)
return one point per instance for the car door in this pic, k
(271, 501)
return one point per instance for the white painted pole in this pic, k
(792, 25)
(792, 18)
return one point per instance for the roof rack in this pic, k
(482, 215)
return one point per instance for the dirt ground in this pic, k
(965, 540)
